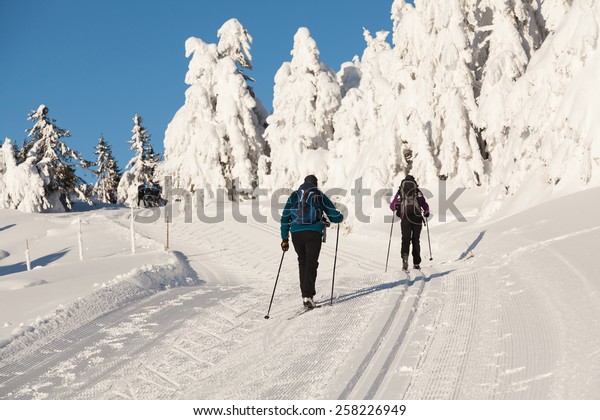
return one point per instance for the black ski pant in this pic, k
(411, 232)
(307, 244)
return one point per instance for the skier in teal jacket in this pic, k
(306, 214)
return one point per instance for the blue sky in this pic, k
(97, 63)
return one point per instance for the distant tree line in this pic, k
(42, 174)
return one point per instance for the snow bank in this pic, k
(120, 291)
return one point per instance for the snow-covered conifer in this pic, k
(455, 133)
(21, 186)
(360, 118)
(107, 173)
(306, 97)
(140, 168)
(409, 37)
(552, 112)
(54, 160)
(216, 139)
(380, 128)
(506, 63)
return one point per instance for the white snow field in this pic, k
(507, 309)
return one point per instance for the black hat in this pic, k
(311, 179)
(410, 177)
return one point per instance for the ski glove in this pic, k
(285, 245)
(426, 215)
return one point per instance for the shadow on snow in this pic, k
(390, 285)
(472, 246)
(39, 262)
(7, 227)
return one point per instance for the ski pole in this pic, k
(428, 238)
(335, 260)
(276, 279)
(390, 242)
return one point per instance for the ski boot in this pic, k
(309, 303)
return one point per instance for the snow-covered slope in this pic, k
(506, 310)
(61, 291)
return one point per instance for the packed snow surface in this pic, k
(507, 309)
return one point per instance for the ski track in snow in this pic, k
(481, 328)
(369, 376)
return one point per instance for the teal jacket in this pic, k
(327, 207)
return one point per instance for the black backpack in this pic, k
(408, 196)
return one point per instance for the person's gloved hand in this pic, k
(285, 245)
(397, 207)
(426, 215)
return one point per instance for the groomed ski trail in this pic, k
(496, 322)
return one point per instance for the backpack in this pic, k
(408, 193)
(307, 208)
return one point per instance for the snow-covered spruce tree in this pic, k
(234, 43)
(54, 161)
(525, 17)
(410, 39)
(216, 138)
(381, 132)
(359, 148)
(238, 111)
(107, 173)
(420, 96)
(412, 77)
(140, 168)
(21, 186)
(555, 122)
(506, 63)
(152, 160)
(478, 21)
(454, 128)
(306, 97)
